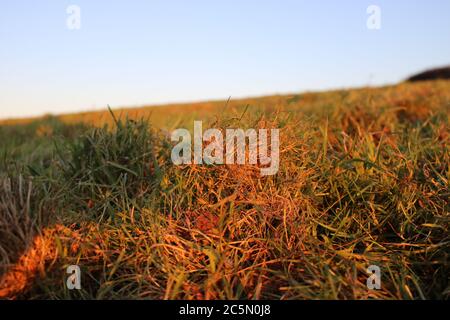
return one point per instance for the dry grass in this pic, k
(33, 262)
(17, 227)
(364, 179)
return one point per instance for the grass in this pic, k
(363, 180)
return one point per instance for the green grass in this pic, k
(363, 180)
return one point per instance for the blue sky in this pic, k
(140, 52)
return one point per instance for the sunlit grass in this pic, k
(363, 180)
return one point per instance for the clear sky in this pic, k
(139, 52)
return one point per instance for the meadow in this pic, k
(364, 179)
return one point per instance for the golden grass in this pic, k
(31, 263)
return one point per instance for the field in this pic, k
(364, 180)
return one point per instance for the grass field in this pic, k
(364, 180)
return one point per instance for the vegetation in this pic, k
(364, 180)
(433, 74)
